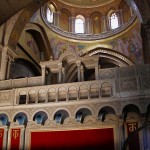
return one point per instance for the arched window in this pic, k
(114, 21)
(79, 24)
(50, 13)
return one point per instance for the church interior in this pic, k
(75, 75)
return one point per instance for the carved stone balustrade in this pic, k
(23, 82)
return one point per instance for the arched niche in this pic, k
(81, 114)
(105, 111)
(64, 20)
(21, 118)
(60, 116)
(3, 119)
(130, 111)
(96, 24)
(40, 117)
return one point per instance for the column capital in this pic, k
(78, 62)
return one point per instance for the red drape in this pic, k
(15, 139)
(1, 138)
(94, 139)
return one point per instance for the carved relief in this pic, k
(128, 84)
(6, 96)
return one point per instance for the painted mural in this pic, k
(32, 44)
(130, 46)
(59, 47)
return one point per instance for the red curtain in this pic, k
(15, 139)
(134, 143)
(1, 138)
(94, 139)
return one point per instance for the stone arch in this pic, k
(117, 58)
(130, 108)
(21, 118)
(20, 112)
(105, 111)
(4, 119)
(64, 19)
(37, 31)
(60, 116)
(59, 109)
(96, 25)
(82, 113)
(20, 23)
(40, 117)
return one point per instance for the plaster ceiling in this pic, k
(86, 3)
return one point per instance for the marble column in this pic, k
(105, 24)
(82, 72)
(79, 70)
(10, 61)
(43, 74)
(63, 75)
(96, 61)
(4, 63)
(56, 18)
(120, 17)
(72, 24)
(60, 73)
(87, 25)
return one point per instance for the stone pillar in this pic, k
(10, 61)
(43, 75)
(120, 17)
(82, 72)
(105, 24)
(72, 24)
(60, 73)
(79, 71)
(96, 61)
(120, 132)
(63, 75)
(56, 18)
(4, 63)
(87, 25)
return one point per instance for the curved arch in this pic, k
(60, 116)
(95, 18)
(21, 118)
(118, 57)
(37, 30)
(22, 20)
(82, 113)
(54, 5)
(139, 9)
(40, 117)
(64, 19)
(3, 119)
(110, 11)
(62, 108)
(130, 108)
(83, 107)
(79, 24)
(104, 111)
